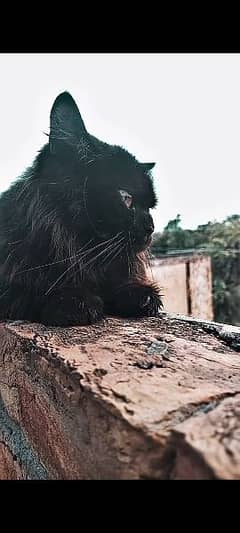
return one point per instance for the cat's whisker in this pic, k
(55, 262)
(129, 255)
(131, 249)
(116, 254)
(101, 253)
(129, 265)
(109, 251)
(3, 294)
(104, 242)
(83, 255)
(74, 264)
(113, 250)
(92, 260)
(68, 258)
(108, 242)
(59, 278)
(71, 267)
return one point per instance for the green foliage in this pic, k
(222, 242)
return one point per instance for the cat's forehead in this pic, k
(122, 172)
(131, 174)
(116, 163)
(114, 167)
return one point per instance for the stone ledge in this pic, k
(155, 398)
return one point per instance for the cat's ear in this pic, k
(66, 123)
(147, 166)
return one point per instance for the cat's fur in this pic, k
(71, 250)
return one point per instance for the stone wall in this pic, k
(156, 398)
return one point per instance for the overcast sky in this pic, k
(180, 110)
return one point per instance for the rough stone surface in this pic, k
(156, 398)
(9, 468)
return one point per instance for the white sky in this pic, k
(180, 110)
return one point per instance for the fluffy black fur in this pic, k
(71, 249)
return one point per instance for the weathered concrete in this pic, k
(123, 399)
(186, 284)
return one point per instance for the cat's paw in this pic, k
(72, 311)
(150, 304)
(135, 300)
(91, 311)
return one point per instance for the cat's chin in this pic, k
(139, 249)
(147, 241)
(145, 245)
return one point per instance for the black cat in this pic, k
(74, 230)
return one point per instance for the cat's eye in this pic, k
(127, 198)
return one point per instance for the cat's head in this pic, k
(108, 186)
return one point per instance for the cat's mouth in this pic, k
(143, 244)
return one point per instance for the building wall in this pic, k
(186, 284)
(200, 285)
(172, 280)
